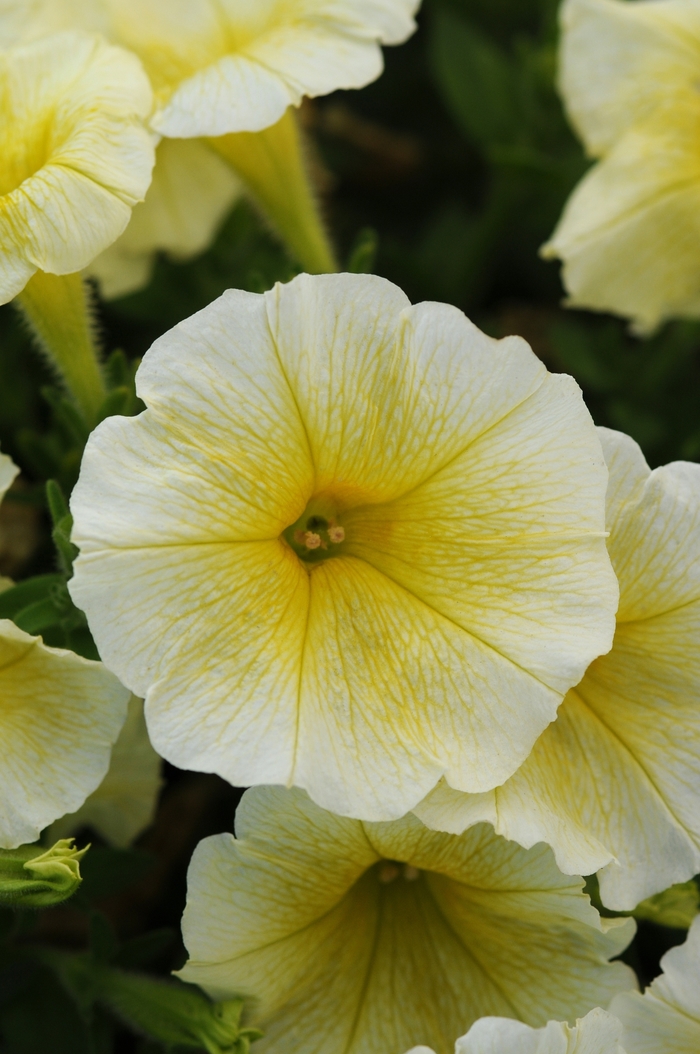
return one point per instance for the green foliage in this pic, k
(34, 877)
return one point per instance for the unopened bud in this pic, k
(32, 877)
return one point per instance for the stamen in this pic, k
(336, 534)
(312, 541)
(388, 872)
(411, 873)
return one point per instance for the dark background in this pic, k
(454, 167)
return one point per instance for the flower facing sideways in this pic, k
(630, 233)
(596, 1033)
(59, 716)
(75, 153)
(355, 938)
(615, 781)
(352, 545)
(666, 1019)
(220, 66)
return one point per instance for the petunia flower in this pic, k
(614, 783)
(630, 233)
(124, 804)
(666, 1019)
(354, 938)
(352, 545)
(192, 191)
(76, 157)
(222, 68)
(597, 1033)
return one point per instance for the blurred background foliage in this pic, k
(445, 176)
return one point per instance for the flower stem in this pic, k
(272, 164)
(58, 312)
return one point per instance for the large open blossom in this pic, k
(352, 545)
(75, 155)
(615, 781)
(630, 234)
(231, 66)
(596, 1033)
(355, 938)
(192, 191)
(666, 1019)
(125, 802)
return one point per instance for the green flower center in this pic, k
(316, 535)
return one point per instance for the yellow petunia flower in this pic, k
(614, 783)
(59, 716)
(596, 1033)
(352, 545)
(354, 938)
(192, 191)
(666, 1019)
(75, 154)
(630, 234)
(124, 804)
(227, 69)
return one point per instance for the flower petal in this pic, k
(614, 782)
(60, 716)
(666, 1019)
(617, 60)
(597, 1033)
(124, 803)
(191, 193)
(630, 233)
(77, 155)
(296, 915)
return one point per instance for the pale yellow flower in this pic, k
(630, 234)
(220, 66)
(124, 804)
(354, 938)
(596, 1033)
(666, 1019)
(60, 715)
(615, 781)
(76, 155)
(471, 587)
(192, 191)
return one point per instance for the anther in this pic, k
(388, 872)
(336, 534)
(311, 540)
(411, 873)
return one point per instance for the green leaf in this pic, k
(364, 252)
(474, 76)
(675, 907)
(21, 596)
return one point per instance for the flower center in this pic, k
(316, 535)
(390, 870)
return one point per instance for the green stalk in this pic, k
(57, 310)
(272, 165)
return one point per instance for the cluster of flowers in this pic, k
(358, 556)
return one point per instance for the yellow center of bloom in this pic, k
(317, 534)
(25, 145)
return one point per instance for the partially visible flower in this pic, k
(614, 783)
(59, 716)
(231, 67)
(225, 70)
(630, 234)
(355, 938)
(124, 803)
(666, 1019)
(596, 1033)
(192, 191)
(75, 155)
(352, 545)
